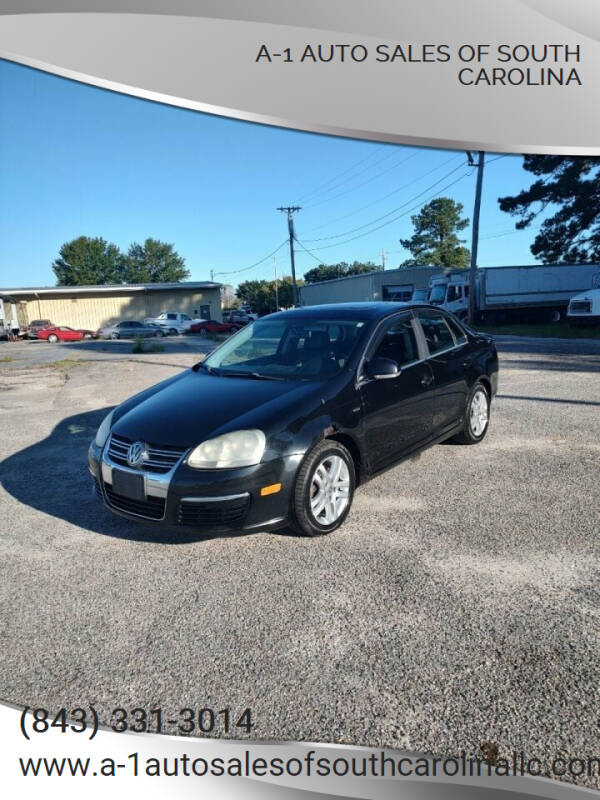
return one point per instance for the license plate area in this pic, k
(127, 484)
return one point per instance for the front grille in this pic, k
(213, 514)
(581, 307)
(151, 508)
(161, 458)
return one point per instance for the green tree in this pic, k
(571, 183)
(326, 272)
(154, 262)
(261, 295)
(435, 239)
(84, 261)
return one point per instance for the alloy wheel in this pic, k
(330, 490)
(479, 412)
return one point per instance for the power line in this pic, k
(350, 179)
(385, 196)
(308, 251)
(364, 183)
(389, 222)
(321, 186)
(389, 213)
(256, 263)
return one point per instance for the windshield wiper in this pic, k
(257, 376)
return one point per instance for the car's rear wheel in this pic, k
(158, 334)
(202, 331)
(324, 489)
(114, 336)
(53, 338)
(173, 332)
(477, 416)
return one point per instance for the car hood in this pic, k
(194, 406)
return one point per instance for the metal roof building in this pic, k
(94, 306)
(391, 284)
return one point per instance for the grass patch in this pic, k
(65, 364)
(5, 359)
(542, 330)
(141, 345)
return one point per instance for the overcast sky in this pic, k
(76, 160)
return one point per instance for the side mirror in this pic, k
(381, 369)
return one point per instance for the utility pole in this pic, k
(475, 229)
(290, 211)
(382, 258)
(212, 275)
(276, 286)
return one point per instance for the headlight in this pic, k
(237, 449)
(104, 429)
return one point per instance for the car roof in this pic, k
(374, 310)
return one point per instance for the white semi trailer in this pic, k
(502, 294)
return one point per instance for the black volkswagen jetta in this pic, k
(282, 421)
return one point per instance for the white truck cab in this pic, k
(451, 292)
(584, 308)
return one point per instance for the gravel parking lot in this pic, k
(459, 603)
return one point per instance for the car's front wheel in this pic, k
(53, 338)
(114, 336)
(324, 489)
(477, 416)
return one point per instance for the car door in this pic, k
(127, 329)
(146, 330)
(137, 329)
(397, 412)
(448, 356)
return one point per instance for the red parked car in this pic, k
(214, 326)
(62, 333)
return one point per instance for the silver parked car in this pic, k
(128, 329)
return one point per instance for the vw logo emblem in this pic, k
(136, 454)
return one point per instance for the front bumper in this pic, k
(584, 319)
(211, 501)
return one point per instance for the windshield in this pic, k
(288, 348)
(438, 293)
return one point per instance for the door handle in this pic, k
(426, 380)
(467, 363)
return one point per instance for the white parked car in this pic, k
(173, 322)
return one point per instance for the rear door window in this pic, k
(437, 333)
(459, 335)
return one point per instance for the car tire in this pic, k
(87, 336)
(315, 509)
(158, 334)
(477, 416)
(173, 332)
(202, 331)
(53, 338)
(114, 336)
